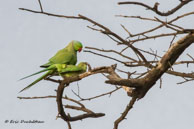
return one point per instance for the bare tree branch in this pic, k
(157, 27)
(124, 114)
(105, 31)
(40, 5)
(156, 72)
(69, 125)
(49, 14)
(68, 117)
(118, 53)
(155, 7)
(91, 98)
(138, 83)
(79, 108)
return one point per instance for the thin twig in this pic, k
(52, 80)
(172, 40)
(161, 25)
(158, 36)
(84, 109)
(190, 56)
(98, 96)
(49, 14)
(69, 125)
(40, 5)
(160, 83)
(155, 7)
(118, 53)
(105, 56)
(186, 80)
(52, 96)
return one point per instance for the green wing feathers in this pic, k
(64, 56)
(72, 70)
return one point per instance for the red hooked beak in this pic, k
(80, 49)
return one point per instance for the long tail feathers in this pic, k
(36, 73)
(39, 79)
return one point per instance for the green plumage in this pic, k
(39, 79)
(72, 70)
(68, 55)
(50, 71)
(58, 69)
(64, 57)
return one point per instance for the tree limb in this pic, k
(155, 7)
(145, 83)
(124, 114)
(62, 112)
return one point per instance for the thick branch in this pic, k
(145, 83)
(167, 61)
(135, 83)
(104, 69)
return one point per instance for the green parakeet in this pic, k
(58, 69)
(72, 70)
(68, 55)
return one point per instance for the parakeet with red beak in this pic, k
(64, 57)
(68, 55)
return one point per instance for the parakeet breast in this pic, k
(74, 59)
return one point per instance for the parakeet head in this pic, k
(77, 45)
(83, 65)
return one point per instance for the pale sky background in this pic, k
(28, 40)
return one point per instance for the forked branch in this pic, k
(155, 7)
